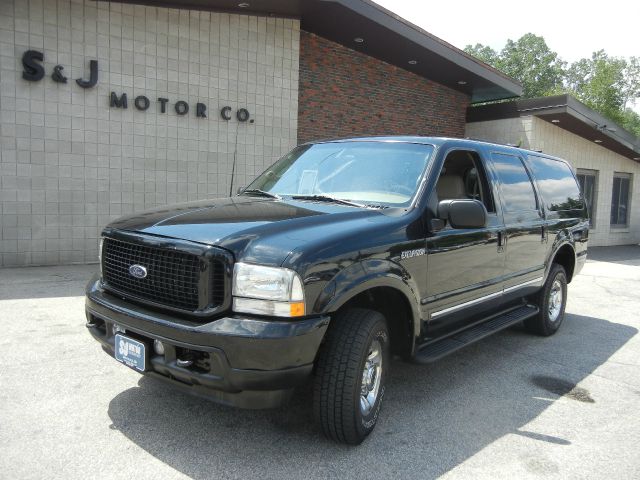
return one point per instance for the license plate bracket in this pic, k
(131, 352)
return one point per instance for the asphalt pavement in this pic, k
(511, 406)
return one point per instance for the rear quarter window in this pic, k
(517, 191)
(558, 187)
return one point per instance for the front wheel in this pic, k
(551, 301)
(350, 376)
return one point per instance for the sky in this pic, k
(573, 29)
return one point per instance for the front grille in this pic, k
(216, 282)
(173, 277)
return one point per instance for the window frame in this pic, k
(592, 207)
(482, 167)
(628, 177)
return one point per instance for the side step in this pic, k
(440, 348)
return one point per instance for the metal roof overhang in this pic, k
(567, 113)
(386, 36)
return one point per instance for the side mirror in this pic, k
(240, 190)
(463, 213)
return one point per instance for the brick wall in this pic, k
(343, 93)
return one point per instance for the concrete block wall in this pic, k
(70, 163)
(512, 131)
(537, 134)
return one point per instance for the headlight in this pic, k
(267, 291)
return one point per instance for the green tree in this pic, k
(609, 85)
(483, 52)
(599, 82)
(631, 121)
(631, 85)
(529, 60)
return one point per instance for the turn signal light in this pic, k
(297, 309)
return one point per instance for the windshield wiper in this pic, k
(327, 198)
(257, 191)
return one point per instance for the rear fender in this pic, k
(563, 239)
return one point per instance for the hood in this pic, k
(254, 229)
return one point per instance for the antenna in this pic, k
(235, 156)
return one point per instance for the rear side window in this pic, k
(558, 187)
(515, 184)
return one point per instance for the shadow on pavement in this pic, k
(626, 254)
(433, 418)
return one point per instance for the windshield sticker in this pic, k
(307, 182)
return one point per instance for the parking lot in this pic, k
(511, 406)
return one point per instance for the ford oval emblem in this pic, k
(138, 271)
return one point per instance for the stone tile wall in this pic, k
(70, 162)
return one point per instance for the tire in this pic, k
(551, 301)
(353, 339)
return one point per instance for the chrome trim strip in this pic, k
(520, 285)
(465, 304)
(475, 301)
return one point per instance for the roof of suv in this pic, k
(436, 141)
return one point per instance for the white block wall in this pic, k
(537, 134)
(69, 163)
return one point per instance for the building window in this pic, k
(588, 180)
(620, 200)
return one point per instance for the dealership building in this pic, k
(108, 108)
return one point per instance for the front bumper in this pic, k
(240, 361)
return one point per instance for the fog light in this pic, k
(158, 347)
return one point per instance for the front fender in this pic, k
(364, 275)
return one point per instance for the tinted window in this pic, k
(515, 184)
(558, 186)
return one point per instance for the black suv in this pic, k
(341, 254)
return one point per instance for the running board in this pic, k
(440, 348)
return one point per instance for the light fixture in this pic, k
(243, 5)
(462, 82)
(636, 158)
(358, 40)
(598, 141)
(413, 62)
(555, 120)
(604, 128)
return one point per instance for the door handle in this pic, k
(502, 240)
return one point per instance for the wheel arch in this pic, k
(564, 255)
(384, 290)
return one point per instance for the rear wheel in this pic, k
(350, 377)
(552, 301)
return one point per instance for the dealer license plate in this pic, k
(130, 352)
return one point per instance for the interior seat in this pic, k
(450, 187)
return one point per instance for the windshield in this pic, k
(369, 173)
